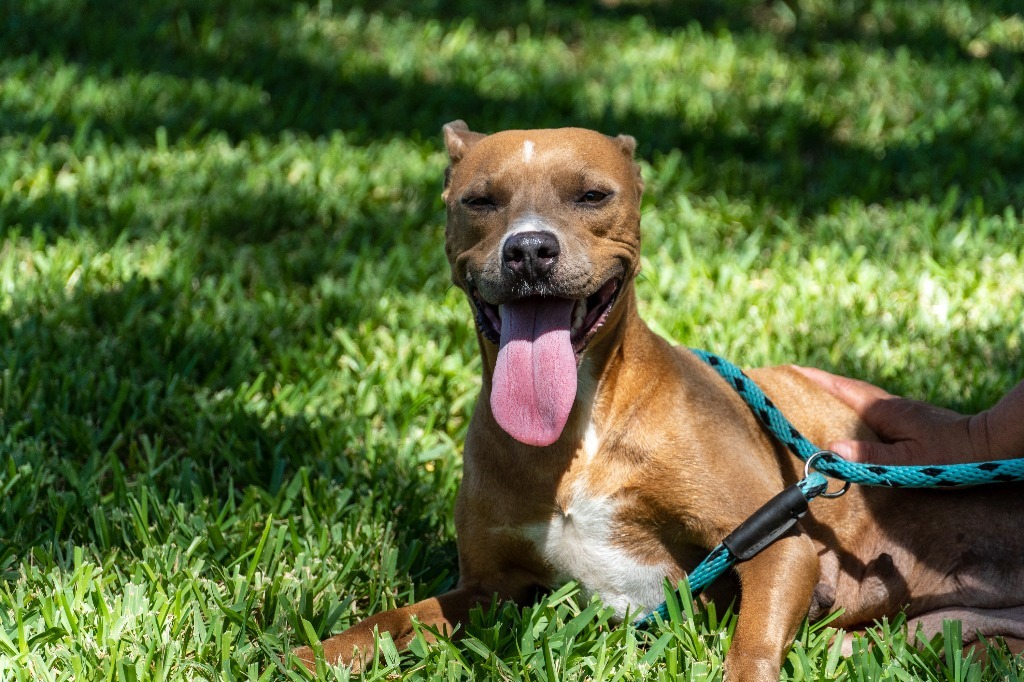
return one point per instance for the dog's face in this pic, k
(543, 232)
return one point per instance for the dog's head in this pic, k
(543, 233)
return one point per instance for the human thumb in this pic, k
(872, 452)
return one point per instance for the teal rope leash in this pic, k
(936, 476)
(763, 527)
(770, 522)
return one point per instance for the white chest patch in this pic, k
(579, 544)
(591, 442)
(527, 151)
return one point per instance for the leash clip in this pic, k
(779, 514)
(807, 472)
(767, 524)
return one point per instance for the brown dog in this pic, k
(600, 452)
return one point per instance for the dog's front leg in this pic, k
(776, 590)
(355, 646)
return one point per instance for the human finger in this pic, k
(860, 395)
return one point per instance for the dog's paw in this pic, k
(338, 650)
(307, 656)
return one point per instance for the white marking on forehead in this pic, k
(528, 151)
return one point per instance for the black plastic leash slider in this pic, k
(767, 524)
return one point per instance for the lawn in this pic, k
(234, 376)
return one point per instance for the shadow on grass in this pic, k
(784, 158)
(108, 392)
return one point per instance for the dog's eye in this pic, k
(592, 197)
(478, 201)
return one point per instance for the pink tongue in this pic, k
(534, 382)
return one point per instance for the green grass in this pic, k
(234, 378)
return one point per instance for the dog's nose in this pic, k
(530, 255)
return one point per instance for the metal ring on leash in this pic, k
(807, 471)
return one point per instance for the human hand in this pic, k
(913, 432)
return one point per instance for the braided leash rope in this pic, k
(721, 559)
(814, 484)
(938, 476)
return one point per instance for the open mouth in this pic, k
(588, 315)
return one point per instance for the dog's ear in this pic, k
(459, 138)
(627, 145)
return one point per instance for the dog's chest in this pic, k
(584, 542)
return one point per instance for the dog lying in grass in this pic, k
(601, 453)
